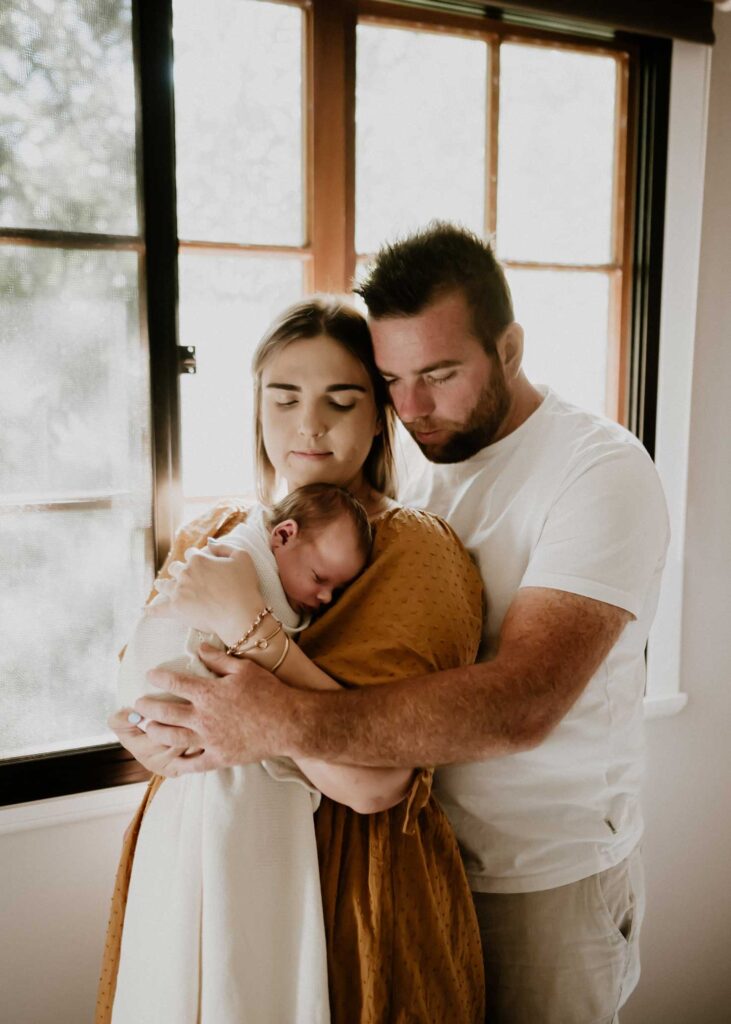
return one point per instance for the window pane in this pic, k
(565, 316)
(72, 584)
(226, 303)
(74, 394)
(74, 412)
(556, 159)
(238, 121)
(67, 124)
(420, 132)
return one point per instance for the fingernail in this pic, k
(134, 718)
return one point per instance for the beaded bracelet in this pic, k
(238, 647)
(261, 644)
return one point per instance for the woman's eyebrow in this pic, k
(331, 387)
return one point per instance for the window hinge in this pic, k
(186, 359)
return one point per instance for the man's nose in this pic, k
(413, 401)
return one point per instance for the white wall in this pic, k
(56, 880)
(686, 977)
(55, 887)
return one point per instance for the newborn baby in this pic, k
(309, 545)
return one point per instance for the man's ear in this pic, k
(510, 349)
(284, 532)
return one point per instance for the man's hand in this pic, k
(244, 715)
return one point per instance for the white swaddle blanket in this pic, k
(224, 921)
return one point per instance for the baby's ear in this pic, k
(284, 532)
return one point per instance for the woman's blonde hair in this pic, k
(315, 317)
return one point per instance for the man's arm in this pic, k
(551, 644)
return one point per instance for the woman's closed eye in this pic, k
(340, 406)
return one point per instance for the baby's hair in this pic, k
(316, 506)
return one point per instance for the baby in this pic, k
(225, 878)
(309, 545)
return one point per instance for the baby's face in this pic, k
(315, 564)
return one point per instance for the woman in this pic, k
(402, 938)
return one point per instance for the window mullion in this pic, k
(156, 143)
(492, 137)
(332, 71)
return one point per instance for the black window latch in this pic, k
(186, 359)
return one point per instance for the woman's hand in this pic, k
(216, 590)
(156, 758)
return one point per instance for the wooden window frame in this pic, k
(494, 33)
(328, 249)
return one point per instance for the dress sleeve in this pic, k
(417, 608)
(216, 522)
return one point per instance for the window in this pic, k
(519, 139)
(144, 213)
(241, 183)
(75, 468)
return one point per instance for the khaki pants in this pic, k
(567, 955)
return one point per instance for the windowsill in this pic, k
(104, 803)
(65, 810)
(664, 707)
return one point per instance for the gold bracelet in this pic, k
(239, 651)
(285, 652)
(252, 628)
(266, 610)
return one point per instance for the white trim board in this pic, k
(689, 97)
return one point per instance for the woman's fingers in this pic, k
(157, 758)
(119, 721)
(187, 763)
(218, 661)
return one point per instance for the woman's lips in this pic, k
(314, 455)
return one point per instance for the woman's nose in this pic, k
(311, 424)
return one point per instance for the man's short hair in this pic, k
(315, 506)
(408, 275)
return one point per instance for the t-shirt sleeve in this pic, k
(606, 533)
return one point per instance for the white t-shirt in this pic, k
(569, 501)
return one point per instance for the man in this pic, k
(565, 516)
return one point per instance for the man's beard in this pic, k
(479, 429)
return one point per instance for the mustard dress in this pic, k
(402, 935)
